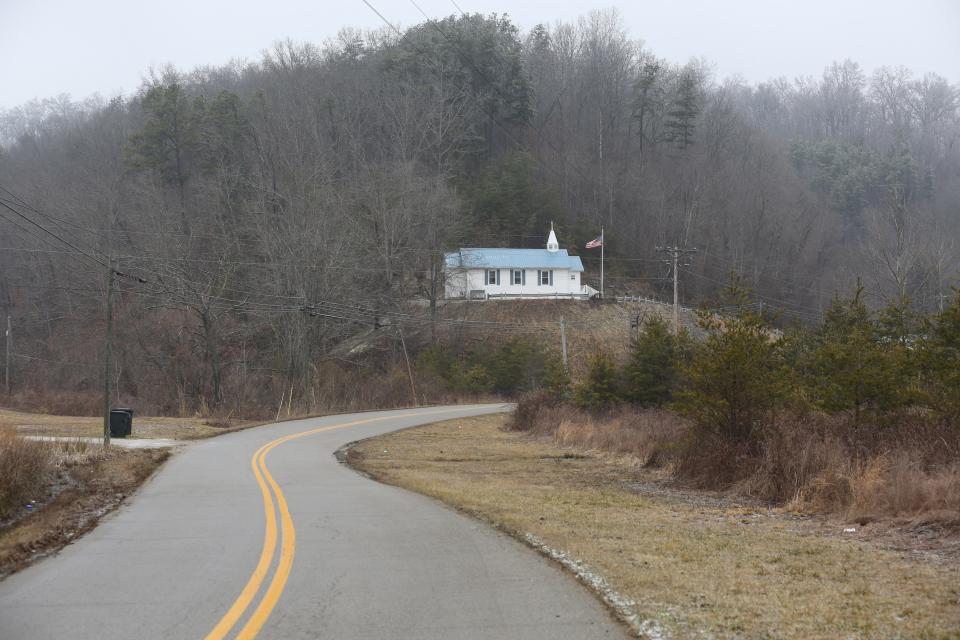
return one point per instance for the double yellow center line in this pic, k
(272, 498)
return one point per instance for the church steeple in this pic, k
(552, 244)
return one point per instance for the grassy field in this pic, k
(692, 564)
(143, 427)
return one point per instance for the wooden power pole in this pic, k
(107, 353)
(406, 356)
(6, 361)
(563, 343)
(675, 254)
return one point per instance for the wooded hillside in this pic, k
(261, 213)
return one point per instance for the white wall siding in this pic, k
(460, 284)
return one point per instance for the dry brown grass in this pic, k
(25, 468)
(895, 485)
(906, 471)
(697, 565)
(591, 327)
(143, 427)
(62, 402)
(652, 436)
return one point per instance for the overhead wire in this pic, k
(797, 310)
(175, 295)
(47, 231)
(159, 290)
(24, 356)
(794, 285)
(32, 233)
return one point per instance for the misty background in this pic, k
(106, 46)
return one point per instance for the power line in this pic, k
(65, 363)
(736, 266)
(162, 291)
(675, 254)
(182, 280)
(797, 310)
(52, 234)
(33, 233)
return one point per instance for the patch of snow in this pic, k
(624, 607)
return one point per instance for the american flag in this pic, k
(596, 242)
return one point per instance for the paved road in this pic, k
(191, 555)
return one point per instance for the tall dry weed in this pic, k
(825, 464)
(810, 462)
(899, 485)
(25, 468)
(652, 436)
(59, 402)
(800, 450)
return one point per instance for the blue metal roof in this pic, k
(512, 259)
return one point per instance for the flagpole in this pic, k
(602, 249)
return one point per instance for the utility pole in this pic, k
(603, 242)
(675, 254)
(403, 343)
(107, 353)
(6, 363)
(563, 342)
(243, 381)
(636, 323)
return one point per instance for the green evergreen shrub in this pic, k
(556, 379)
(651, 376)
(516, 366)
(939, 356)
(853, 365)
(734, 382)
(599, 390)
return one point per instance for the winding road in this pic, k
(262, 533)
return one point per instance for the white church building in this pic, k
(481, 274)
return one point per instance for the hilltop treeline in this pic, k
(260, 213)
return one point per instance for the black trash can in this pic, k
(121, 422)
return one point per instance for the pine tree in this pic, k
(682, 116)
(651, 374)
(734, 382)
(852, 367)
(556, 380)
(168, 139)
(940, 361)
(516, 366)
(598, 391)
(649, 100)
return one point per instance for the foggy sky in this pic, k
(51, 47)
